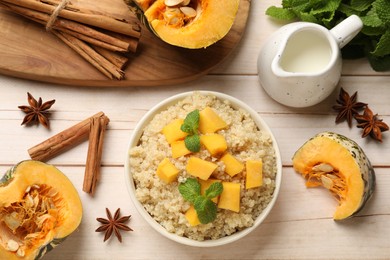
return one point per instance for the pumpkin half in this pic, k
(39, 208)
(191, 24)
(337, 163)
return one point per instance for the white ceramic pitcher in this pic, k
(300, 64)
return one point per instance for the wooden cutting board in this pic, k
(28, 51)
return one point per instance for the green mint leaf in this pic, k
(191, 122)
(382, 8)
(383, 46)
(361, 5)
(190, 190)
(280, 13)
(214, 190)
(192, 143)
(379, 63)
(186, 128)
(206, 209)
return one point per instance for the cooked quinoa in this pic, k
(164, 201)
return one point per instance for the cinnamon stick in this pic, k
(95, 148)
(93, 57)
(118, 60)
(78, 15)
(79, 30)
(62, 141)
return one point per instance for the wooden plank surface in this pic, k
(299, 227)
(28, 51)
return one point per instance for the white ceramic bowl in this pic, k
(131, 187)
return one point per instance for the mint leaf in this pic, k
(280, 13)
(191, 122)
(383, 46)
(379, 64)
(214, 190)
(206, 210)
(190, 126)
(190, 190)
(372, 19)
(382, 8)
(192, 143)
(361, 5)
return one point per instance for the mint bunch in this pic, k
(204, 206)
(190, 126)
(374, 39)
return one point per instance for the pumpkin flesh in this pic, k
(338, 164)
(39, 207)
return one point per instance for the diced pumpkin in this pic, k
(340, 165)
(167, 171)
(200, 168)
(254, 174)
(192, 216)
(204, 185)
(172, 131)
(179, 149)
(210, 121)
(214, 143)
(230, 196)
(232, 165)
(39, 208)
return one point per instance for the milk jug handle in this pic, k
(345, 31)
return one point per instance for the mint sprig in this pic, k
(190, 126)
(204, 206)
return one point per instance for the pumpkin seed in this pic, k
(326, 182)
(188, 11)
(12, 245)
(172, 2)
(20, 252)
(28, 189)
(323, 167)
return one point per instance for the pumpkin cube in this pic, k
(254, 174)
(209, 121)
(200, 168)
(230, 196)
(172, 131)
(204, 185)
(232, 165)
(166, 171)
(214, 143)
(179, 149)
(192, 216)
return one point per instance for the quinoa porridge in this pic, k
(164, 202)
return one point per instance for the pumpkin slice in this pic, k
(39, 208)
(337, 163)
(189, 24)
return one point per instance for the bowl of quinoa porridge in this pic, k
(236, 150)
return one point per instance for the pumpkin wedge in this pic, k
(191, 24)
(39, 208)
(337, 163)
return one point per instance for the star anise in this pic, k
(371, 124)
(36, 112)
(111, 225)
(347, 106)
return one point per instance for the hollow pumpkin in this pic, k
(191, 24)
(337, 163)
(39, 208)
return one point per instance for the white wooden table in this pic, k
(299, 227)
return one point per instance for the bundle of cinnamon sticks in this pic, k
(102, 40)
